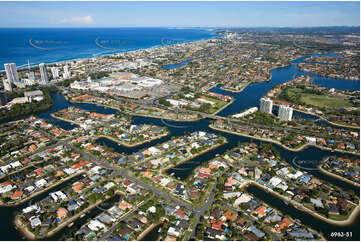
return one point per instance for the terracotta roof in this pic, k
(147, 174)
(77, 187)
(59, 173)
(201, 175)
(217, 224)
(76, 166)
(17, 194)
(62, 212)
(230, 216)
(5, 183)
(38, 171)
(124, 205)
(180, 213)
(261, 210)
(205, 170)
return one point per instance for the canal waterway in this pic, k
(152, 235)
(249, 97)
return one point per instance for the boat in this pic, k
(286, 202)
(70, 225)
(172, 174)
(82, 215)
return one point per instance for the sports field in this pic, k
(323, 101)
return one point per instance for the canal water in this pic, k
(247, 98)
(153, 234)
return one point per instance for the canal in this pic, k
(152, 235)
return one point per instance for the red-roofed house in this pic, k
(261, 211)
(217, 224)
(17, 195)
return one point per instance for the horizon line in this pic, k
(221, 27)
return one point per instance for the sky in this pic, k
(179, 14)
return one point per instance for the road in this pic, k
(205, 207)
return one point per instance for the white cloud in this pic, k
(78, 20)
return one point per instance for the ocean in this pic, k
(51, 45)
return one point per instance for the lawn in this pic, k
(324, 101)
(218, 104)
(297, 95)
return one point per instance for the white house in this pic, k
(40, 183)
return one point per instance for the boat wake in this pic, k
(175, 126)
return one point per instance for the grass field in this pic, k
(325, 101)
(322, 101)
(218, 104)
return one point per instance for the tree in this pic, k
(205, 107)
(164, 102)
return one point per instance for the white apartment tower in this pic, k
(66, 73)
(11, 72)
(285, 112)
(43, 73)
(55, 72)
(266, 105)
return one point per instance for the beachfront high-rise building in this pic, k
(285, 112)
(11, 72)
(66, 73)
(266, 105)
(55, 72)
(43, 73)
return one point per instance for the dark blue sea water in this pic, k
(60, 44)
